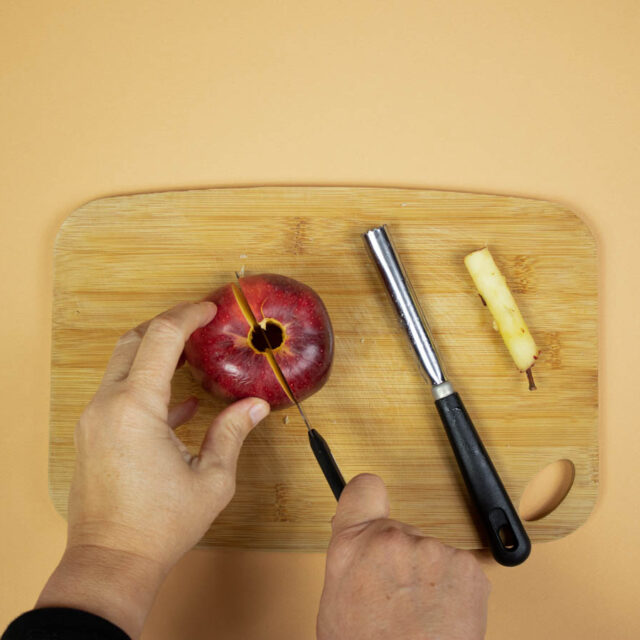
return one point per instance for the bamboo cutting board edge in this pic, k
(547, 529)
(559, 204)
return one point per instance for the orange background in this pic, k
(536, 99)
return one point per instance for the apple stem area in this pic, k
(532, 384)
(272, 335)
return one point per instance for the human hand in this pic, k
(138, 499)
(385, 579)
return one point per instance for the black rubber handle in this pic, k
(508, 539)
(327, 462)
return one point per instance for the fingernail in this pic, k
(259, 411)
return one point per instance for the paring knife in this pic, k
(507, 537)
(319, 445)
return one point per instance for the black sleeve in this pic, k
(62, 624)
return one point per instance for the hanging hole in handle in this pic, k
(501, 526)
(508, 539)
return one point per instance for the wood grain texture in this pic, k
(121, 260)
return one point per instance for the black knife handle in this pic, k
(327, 462)
(508, 539)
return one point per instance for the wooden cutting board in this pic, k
(120, 260)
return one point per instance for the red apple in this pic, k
(228, 356)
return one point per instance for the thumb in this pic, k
(224, 438)
(364, 499)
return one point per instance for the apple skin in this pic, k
(226, 365)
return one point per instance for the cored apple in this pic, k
(229, 356)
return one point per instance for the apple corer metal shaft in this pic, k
(506, 536)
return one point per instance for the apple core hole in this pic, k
(274, 333)
(546, 491)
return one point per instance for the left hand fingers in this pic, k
(224, 438)
(183, 412)
(124, 354)
(155, 361)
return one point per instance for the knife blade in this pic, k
(318, 444)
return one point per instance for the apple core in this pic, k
(274, 332)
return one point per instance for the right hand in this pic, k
(385, 579)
